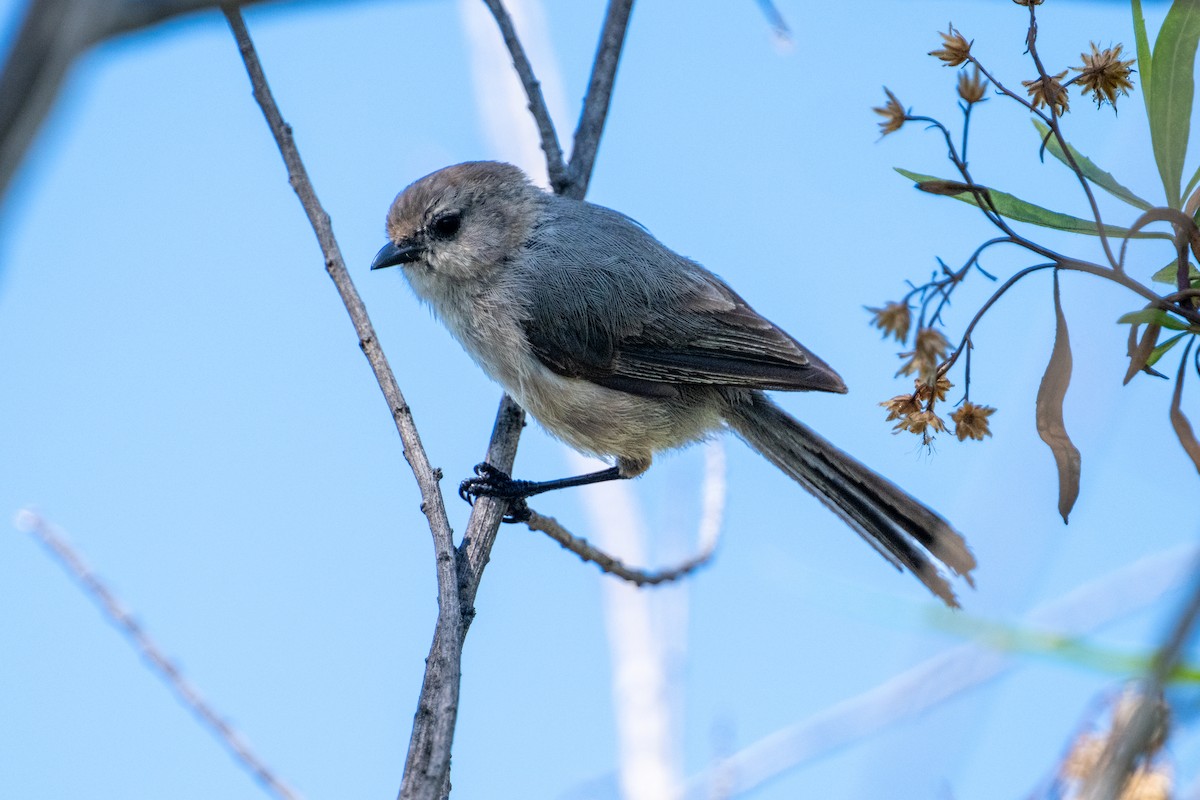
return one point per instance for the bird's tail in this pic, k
(903, 530)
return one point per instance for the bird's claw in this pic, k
(494, 482)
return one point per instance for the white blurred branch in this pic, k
(938, 679)
(497, 99)
(644, 661)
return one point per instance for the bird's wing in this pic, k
(646, 329)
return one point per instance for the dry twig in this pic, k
(428, 762)
(607, 563)
(118, 614)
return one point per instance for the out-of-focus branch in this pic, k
(428, 761)
(116, 612)
(53, 34)
(555, 168)
(599, 94)
(607, 563)
(943, 677)
(1123, 751)
(775, 19)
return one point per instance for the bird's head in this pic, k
(459, 224)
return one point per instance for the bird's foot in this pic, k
(494, 482)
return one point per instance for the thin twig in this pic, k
(426, 768)
(613, 566)
(117, 613)
(555, 168)
(599, 94)
(1062, 142)
(996, 295)
(476, 547)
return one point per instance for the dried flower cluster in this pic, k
(971, 87)
(1048, 90)
(930, 350)
(916, 413)
(955, 49)
(1104, 74)
(893, 319)
(1148, 781)
(971, 421)
(892, 112)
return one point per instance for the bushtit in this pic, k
(622, 348)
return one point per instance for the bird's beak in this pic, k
(392, 254)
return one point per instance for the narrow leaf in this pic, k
(1172, 85)
(1192, 183)
(1093, 173)
(1021, 211)
(1170, 272)
(1153, 316)
(1050, 411)
(1183, 428)
(1141, 354)
(1161, 350)
(1144, 63)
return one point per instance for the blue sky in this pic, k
(183, 394)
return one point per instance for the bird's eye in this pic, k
(446, 225)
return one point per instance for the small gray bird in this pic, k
(623, 348)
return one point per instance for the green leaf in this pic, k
(1089, 169)
(1007, 638)
(1169, 273)
(1017, 209)
(1144, 62)
(1153, 316)
(1172, 85)
(1161, 350)
(1192, 183)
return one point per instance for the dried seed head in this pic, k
(893, 319)
(955, 49)
(901, 405)
(1104, 74)
(1028, 2)
(971, 87)
(933, 389)
(921, 423)
(971, 421)
(1049, 91)
(892, 112)
(931, 347)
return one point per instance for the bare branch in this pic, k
(580, 547)
(599, 94)
(779, 26)
(162, 665)
(428, 764)
(555, 168)
(476, 547)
